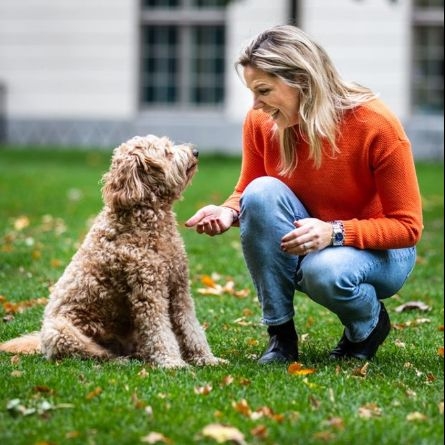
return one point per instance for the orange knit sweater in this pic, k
(370, 185)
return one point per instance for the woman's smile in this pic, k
(273, 96)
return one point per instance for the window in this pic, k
(427, 95)
(182, 53)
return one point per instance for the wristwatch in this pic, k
(338, 233)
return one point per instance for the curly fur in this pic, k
(126, 290)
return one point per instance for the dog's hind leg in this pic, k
(60, 338)
(26, 344)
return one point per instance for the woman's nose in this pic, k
(257, 104)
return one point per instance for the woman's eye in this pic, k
(263, 92)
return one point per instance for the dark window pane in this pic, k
(160, 3)
(159, 77)
(428, 3)
(210, 3)
(208, 64)
(428, 68)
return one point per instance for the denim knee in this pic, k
(260, 194)
(321, 278)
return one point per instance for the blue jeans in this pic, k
(347, 281)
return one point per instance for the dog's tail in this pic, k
(26, 344)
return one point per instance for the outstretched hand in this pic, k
(211, 220)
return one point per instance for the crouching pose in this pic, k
(327, 200)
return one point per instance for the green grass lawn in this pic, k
(47, 200)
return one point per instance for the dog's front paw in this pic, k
(172, 364)
(208, 360)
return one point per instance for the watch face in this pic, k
(338, 236)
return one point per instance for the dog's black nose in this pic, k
(195, 152)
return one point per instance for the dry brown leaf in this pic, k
(303, 338)
(72, 434)
(15, 360)
(336, 422)
(214, 288)
(296, 368)
(325, 436)
(243, 322)
(411, 323)
(259, 431)
(223, 433)
(369, 410)
(155, 437)
(361, 371)
(227, 380)
(399, 343)
(56, 263)
(314, 402)
(410, 393)
(203, 390)
(252, 342)
(413, 305)
(430, 377)
(440, 351)
(143, 373)
(43, 389)
(36, 254)
(247, 312)
(416, 417)
(242, 407)
(21, 223)
(94, 393)
(13, 308)
(137, 403)
(218, 414)
(208, 281)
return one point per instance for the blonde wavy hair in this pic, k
(288, 53)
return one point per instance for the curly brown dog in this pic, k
(126, 290)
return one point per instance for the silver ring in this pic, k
(305, 247)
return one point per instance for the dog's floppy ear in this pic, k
(123, 186)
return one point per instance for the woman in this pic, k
(327, 200)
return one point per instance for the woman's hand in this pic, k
(212, 220)
(311, 234)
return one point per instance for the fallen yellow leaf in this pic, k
(222, 433)
(416, 416)
(369, 410)
(155, 437)
(203, 390)
(296, 368)
(361, 371)
(21, 223)
(94, 393)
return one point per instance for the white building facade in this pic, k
(96, 72)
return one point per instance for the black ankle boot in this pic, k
(366, 349)
(283, 344)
